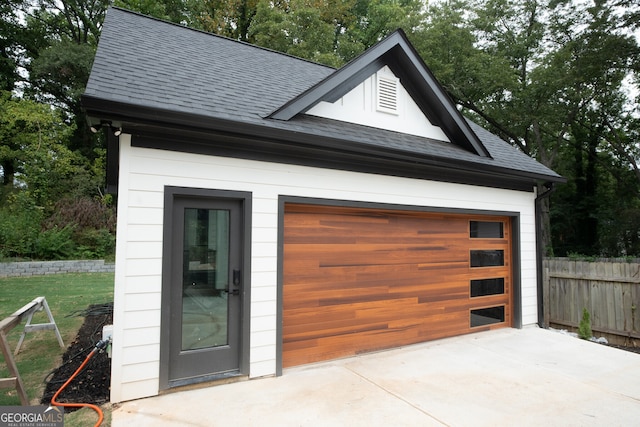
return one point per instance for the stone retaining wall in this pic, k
(39, 268)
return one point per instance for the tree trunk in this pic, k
(8, 173)
(544, 218)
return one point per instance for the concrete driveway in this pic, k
(506, 377)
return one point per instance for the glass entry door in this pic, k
(205, 290)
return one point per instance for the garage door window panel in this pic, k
(487, 287)
(487, 258)
(486, 230)
(487, 316)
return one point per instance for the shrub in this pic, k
(78, 228)
(85, 212)
(55, 243)
(574, 256)
(20, 221)
(584, 329)
(94, 225)
(95, 244)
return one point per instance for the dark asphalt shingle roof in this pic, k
(144, 62)
(147, 62)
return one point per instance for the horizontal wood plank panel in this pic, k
(358, 280)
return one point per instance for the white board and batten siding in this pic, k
(381, 102)
(144, 173)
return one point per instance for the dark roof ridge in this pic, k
(185, 27)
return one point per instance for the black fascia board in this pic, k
(349, 82)
(330, 90)
(399, 54)
(321, 157)
(135, 118)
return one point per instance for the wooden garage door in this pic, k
(358, 280)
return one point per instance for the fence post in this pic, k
(546, 300)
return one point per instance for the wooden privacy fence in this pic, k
(10, 322)
(609, 290)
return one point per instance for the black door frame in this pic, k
(245, 199)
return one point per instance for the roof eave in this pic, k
(138, 117)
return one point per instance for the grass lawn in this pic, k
(40, 352)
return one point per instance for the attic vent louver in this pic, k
(387, 93)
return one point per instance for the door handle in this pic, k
(236, 284)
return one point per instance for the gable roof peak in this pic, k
(396, 52)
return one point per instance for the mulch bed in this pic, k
(92, 385)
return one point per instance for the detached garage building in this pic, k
(274, 212)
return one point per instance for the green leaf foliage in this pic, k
(584, 329)
(55, 243)
(9, 56)
(20, 222)
(61, 72)
(330, 32)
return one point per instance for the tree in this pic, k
(230, 18)
(630, 12)
(375, 19)
(33, 153)
(595, 59)
(297, 28)
(38, 170)
(59, 41)
(330, 32)
(79, 21)
(178, 11)
(548, 77)
(448, 42)
(9, 29)
(60, 73)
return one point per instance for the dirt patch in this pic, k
(92, 384)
